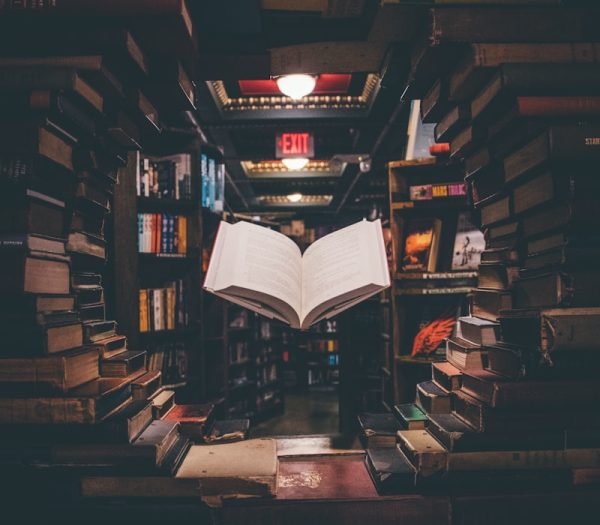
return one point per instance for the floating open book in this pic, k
(265, 271)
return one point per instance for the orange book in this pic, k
(182, 234)
(144, 326)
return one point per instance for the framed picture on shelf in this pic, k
(421, 245)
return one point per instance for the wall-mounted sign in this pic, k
(294, 145)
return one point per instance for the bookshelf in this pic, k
(156, 303)
(423, 191)
(242, 352)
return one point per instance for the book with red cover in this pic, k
(193, 419)
(324, 478)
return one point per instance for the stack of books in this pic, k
(515, 399)
(71, 389)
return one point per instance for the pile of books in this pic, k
(515, 400)
(72, 394)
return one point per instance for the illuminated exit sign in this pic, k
(290, 145)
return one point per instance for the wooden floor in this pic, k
(306, 413)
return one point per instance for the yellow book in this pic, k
(144, 327)
(182, 234)
(171, 308)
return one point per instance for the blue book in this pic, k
(204, 180)
(212, 182)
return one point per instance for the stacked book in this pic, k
(71, 391)
(515, 399)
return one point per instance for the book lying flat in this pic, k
(266, 272)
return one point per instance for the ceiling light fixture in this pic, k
(295, 164)
(296, 86)
(294, 197)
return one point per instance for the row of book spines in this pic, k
(324, 346)
(212, 176)
(162, 233)
(165, 179)
(170, 361)
(162, 308)
(434, 191)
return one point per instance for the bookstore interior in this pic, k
(300, 261)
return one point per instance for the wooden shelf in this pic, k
(427, 162)
(166, 256)
(173, 205)
(177, 332)
(424, 276)
(438, 205)
(458, 290)
(408, 360)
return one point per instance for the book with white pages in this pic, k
(266, 272)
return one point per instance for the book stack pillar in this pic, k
(516, 396)
(73, 390)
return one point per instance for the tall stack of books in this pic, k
(515, 399)
(69, 384)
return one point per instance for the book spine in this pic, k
(172, 234)
(158, 325)
(14, 242)
(140, 224)
(175, 234)
(558, 106)
(143, 307)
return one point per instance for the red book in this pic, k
(443, 148)
(558, 106)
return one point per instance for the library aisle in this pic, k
(300, 262)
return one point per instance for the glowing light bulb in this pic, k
(294, 197)
(295, 164)
(296, 86)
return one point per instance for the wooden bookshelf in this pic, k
(152, 270)
(417, 293)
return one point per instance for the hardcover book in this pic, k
(265, 271)
(432, 399)
(378, 430)
(390, 471)
(410, 416)
(421, 245)
(468, 244)
(244, 469)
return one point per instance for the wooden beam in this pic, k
(328, 57)
(230, 66)
(396, 23)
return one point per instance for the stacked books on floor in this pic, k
(515, 400)
(74, 398)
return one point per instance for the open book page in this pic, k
(257, 268)
(341, 269)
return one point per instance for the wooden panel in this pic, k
(328, 57)
(125, 252)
